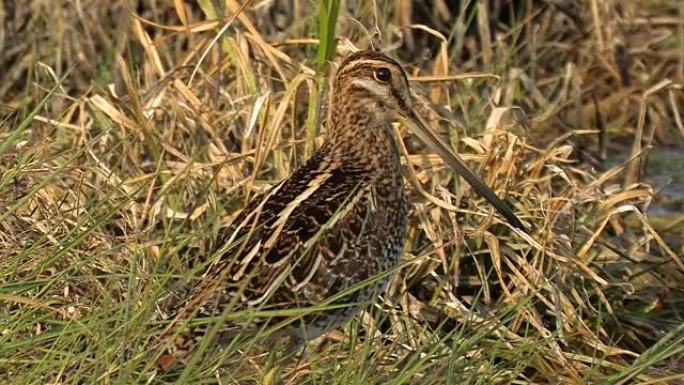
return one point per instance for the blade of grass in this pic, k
(327, 22)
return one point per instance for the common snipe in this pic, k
(336, 222)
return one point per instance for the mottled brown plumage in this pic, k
(336, 222)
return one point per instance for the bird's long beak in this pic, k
(455, 162)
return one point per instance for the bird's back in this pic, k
(323, 230)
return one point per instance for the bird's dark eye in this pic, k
(383, 74)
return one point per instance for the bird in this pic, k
(335, 228)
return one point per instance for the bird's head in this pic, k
(374, 81)
(372, 86)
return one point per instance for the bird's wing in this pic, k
(268, 239)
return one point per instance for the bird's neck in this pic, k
(361, 138)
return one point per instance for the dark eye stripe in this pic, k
(400, 99)
(362, 63)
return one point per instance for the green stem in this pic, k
(327, 21)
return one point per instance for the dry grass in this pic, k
(128, 134)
